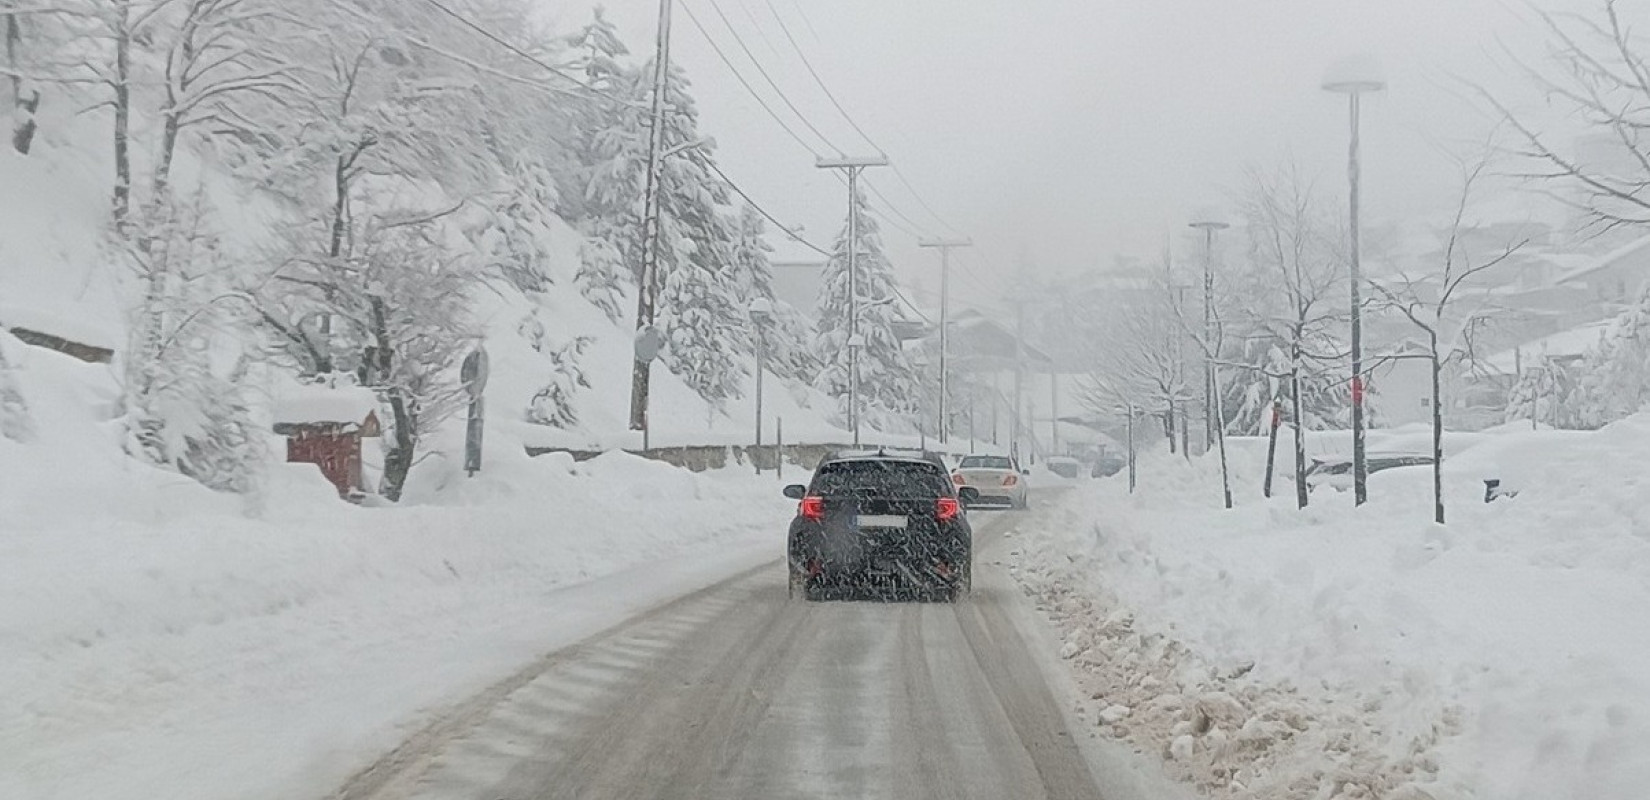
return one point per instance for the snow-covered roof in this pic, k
(1572, 343)
(81, 329)
(300, 403)
(1605, 261)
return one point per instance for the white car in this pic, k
(1336, 472)
(997, 478)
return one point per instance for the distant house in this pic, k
(1615, 279)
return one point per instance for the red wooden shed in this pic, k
(324, 426)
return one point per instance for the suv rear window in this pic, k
(888, 478)
(985, 462)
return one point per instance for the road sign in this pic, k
(473, 373)
(649, 342)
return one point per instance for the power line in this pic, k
(818, 79)
(769, 78)
(745, 83)
(812, 31)
(898, 173)
(797, 237)
(462, 20)
(811, 71)
(888, 205)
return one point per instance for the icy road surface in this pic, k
(738, 692)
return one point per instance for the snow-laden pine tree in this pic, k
(1612, 381)
(552, 404)
(15, 423)
(787, 335)
(889, 387)
(699, 306)
(609, 150)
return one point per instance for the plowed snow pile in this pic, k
(1267, 652)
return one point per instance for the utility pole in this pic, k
(945, 246)
(1214, 417)
(1019, 375)
(852, 166)
(1053, 412)
(647, 290)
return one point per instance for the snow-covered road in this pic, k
(738, 692)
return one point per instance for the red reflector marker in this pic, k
(812, 507)
(946, 508)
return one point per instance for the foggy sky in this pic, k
(1064, 133)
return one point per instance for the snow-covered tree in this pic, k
(889, 386)
(1140, 357)
(1429, 311)
(1596, 73)
(187, 402)
(20, 100)
(1294, 311)
(15, 423)
(789, 340)
(1611, 382)
(698, 304)
(553, 403)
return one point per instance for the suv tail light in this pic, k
(946, 508)
(812, 507)
(957, 478)
(1010, 479)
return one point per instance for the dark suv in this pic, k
(880, 523)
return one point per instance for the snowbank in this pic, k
(160, 642)
(1334, 652)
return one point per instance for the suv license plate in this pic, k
(880, 521)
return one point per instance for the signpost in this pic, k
(649, 343)
(473, 374)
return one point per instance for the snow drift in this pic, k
(1341, 652)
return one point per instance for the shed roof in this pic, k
(312, 403)
(1605, 261)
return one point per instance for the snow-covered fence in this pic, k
(700, 458)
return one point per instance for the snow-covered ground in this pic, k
(179, 649)
(163, 640)
(1340, 652)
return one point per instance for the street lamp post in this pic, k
(761, 313)
(945, 246)
(1355, 77)
(1214, 416)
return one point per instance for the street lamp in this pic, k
(1214, 420)
(1355, 77)
(761, 313)
(945, 247)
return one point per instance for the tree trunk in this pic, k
(1437, 434)
(1271, 448)
(1300, 438)
(1169, 428)
(398, 461)
(1220, 435)
(26, 102)
(340, 206)
(123, 113)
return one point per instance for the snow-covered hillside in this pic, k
(194, 643)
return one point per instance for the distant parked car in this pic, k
(1108, 465)
(1336, 472)
(1064, 467)
(998, 479)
